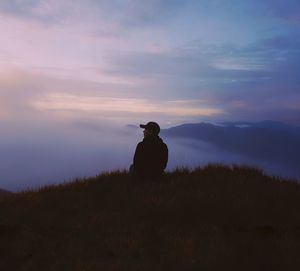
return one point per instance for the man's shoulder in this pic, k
(163, 143)
(152, 142)
(140, 144)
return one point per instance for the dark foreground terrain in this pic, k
(211, 218)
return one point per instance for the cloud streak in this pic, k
(92, 104)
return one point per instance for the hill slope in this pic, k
(4, 193)
(211, 218)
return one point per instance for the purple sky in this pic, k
(128, 61)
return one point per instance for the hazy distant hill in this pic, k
(269, 141)
(275, 125)
(212, 218)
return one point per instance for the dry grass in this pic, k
(211, 218)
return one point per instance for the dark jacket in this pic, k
(151, 157)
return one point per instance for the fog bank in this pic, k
(36, 155)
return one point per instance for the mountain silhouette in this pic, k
(264, 141)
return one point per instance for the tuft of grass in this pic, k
(209, 218)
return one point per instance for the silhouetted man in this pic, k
(151, 154)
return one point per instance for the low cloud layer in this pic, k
(46, 153)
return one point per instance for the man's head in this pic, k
(151, 128)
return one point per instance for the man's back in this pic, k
(151, 157)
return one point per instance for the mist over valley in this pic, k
(34, 156)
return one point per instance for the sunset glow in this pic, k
(63, 102)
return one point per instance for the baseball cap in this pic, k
(152, 126)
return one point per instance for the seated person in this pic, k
(151, 154)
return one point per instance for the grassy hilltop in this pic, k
(211, 218)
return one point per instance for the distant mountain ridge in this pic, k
(275, 125)
(269, 141)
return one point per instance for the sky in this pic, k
(128, 61)
(74, 73)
